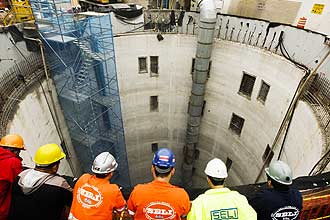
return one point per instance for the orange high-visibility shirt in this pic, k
(95, 198)
(158, 200)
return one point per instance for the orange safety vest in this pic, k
(158, 200)
(95, 198)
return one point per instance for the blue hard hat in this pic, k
(164, 158)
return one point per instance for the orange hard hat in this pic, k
(13, 141)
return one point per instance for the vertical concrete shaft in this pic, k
(200, 76)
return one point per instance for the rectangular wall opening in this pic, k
(229, 162)
(247, 84)
(154, 103)
(154, 147)
(268, 155)
(236, 124)
(203, 108)
(208, 72)
(154, 66)
(263, 92)
(143, 65)
(193, 65)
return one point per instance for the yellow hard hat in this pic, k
(12, 141)
(48, 154)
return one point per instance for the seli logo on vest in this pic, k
(285, 213)
(224, 214)
(89, 196)
(159, 210)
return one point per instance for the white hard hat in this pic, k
(216, 168)
(104, 163)
(280, 172)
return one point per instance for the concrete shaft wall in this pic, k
(9, 54)
(33, 121)
(32, 118)
(167, 125)
(303, 136)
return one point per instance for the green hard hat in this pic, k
(280, 172)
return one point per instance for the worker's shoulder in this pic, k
(57, 180)
(266, 193)
(222, 196)
(237, 195)
(141, 186)
(12, 161)
(178, 189)
(85, 175)
(114, 187)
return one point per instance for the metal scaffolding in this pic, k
(81, 59)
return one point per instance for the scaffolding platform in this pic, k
(61, 38)
(81, 59)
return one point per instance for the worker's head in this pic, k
(216, 172)
(13, 142)
(104, 164)
(163, 163)
(279, 174)
(47, 158)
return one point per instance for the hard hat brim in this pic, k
(162, 169)
(11, 146)
(50, 162)
(275, 179)
(104, 172)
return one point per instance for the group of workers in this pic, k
(40, 193)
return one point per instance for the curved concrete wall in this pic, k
(9, 53)
(167, 127)
(261, 120)
(304, 135)
(33, 121)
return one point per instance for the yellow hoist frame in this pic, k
(20, 12)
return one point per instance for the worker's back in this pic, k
(158, 200)
(273, 202)
(95, 198)
(10, 168)
(221, 203)
(38, 195)
(279, 200)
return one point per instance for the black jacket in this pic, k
(272, 204)
(38, 195)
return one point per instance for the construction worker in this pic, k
(159, 199)
(279, 200)
(220, 202)
(94, 197)
(10, 167)
(40, 193)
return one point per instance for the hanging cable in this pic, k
(286, 54)
(319, 161)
